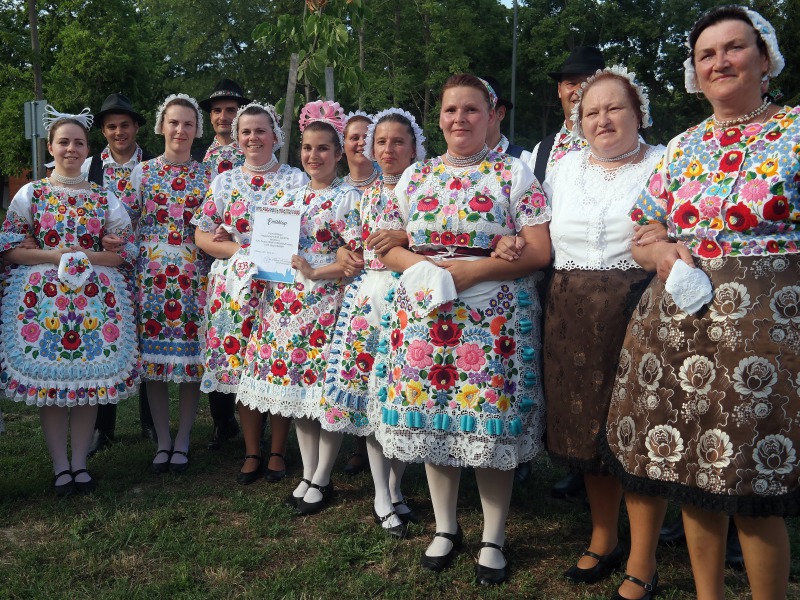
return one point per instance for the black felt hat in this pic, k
(227, 89)
(583, 60)
(118, 104)
(498, 92)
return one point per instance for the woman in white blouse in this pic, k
(595, 287)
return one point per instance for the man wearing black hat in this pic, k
(111, 169)
(223, 154)
(494, 137)
(582, 62)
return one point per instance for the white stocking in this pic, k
(329, 444)
(495, 487)
(158, 398)
(55, 425)
(189, 399)
(381, 468)
(443, 484)
(81, 428)
(395, 485)
(308, 441)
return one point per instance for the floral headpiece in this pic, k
(764, 29)
(359, 113)
(51, 116)
(270, 110)
(641, 93)
(160, 113)
(324, 111)
(419, 152)
(492, 93)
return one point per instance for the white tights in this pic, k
(77, 422)
(387, 475)
(318, 449)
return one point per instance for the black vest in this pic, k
(545, 147)
(96, 167)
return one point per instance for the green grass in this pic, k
(203, 536)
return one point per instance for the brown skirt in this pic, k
(706, 408)
(586, 315)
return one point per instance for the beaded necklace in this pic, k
(468, 161)
(724, 124)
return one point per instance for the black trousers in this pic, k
(223, 406)
(107, 414)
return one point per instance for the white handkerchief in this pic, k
(74, 269)
(690, 287)
(425, 287)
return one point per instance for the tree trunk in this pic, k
(36, 61)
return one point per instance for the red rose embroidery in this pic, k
(396, 338)
(191, 330)
(686, 216)
(773, 135)
(152, 328)
(173, 309)
(161, 198)
(279, 368)
(443, 377)
(309, 377)
(179, 183)
(505, 346)
(731, 161)
(709, 249)
(172, 270)
(773, 247)
(30, 300)
(323, 235)
(110, 299)
(730, 136)
(278, 306)
(448, 238)
(160, 281)
(231, 345)
(326, 205)
(50, 289)
(776, 208)
(427, 204)
(295, 307)
(184, 281)
(636, 215)
(52, 238)
(445, 333)
(71, 340)
(162, 215)
(86, 241)
(224, 165)
(191, 201)
(91, 290)
(739, 218)
(174, 238)
(364, 362)
(242, 225)
(247, 326)
(257, 181)
(481, 203)
(318, 339)
(462, 239)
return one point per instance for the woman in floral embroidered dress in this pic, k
(68, 334)
(395, 141)
(460, 367)
(705, 407)
(287, 354)
(171, 275)
(233, 294)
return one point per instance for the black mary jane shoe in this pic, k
(275, 475)
(311, 508)
(246, 478)
(649, 588)
(64, 489)
(292, 500)
(606, 565)
(406, 517)
(490, 575)
(437, 564)
(397, 531)
(223, 431)
(84, 487)
(179, 468)
(162, 467)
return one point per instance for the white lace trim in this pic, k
(621, 265)
(287, 401)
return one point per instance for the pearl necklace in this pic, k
(468, 161)
(67, 180)
(261, 168)
(337, 181)
(723, 124)
(170, 163)
(391, 179)
(362, 182)
(603, 159)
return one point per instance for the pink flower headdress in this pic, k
(324, 111)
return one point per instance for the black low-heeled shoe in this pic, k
(490, 575)
(179, 468)
(649, 588)
(406, 517)
(292, 500)
(398, 531)
(162, 467)
(311, 508)
(437, 564)
(275, 475)
(352, 468)
(606, 565)
(250, 476)
(84, 487)
(64, 489)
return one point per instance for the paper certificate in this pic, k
(275, 237)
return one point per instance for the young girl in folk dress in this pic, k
(68, 335)
(287, 355)
(233, 294)
(395, 141)
(171, 275)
